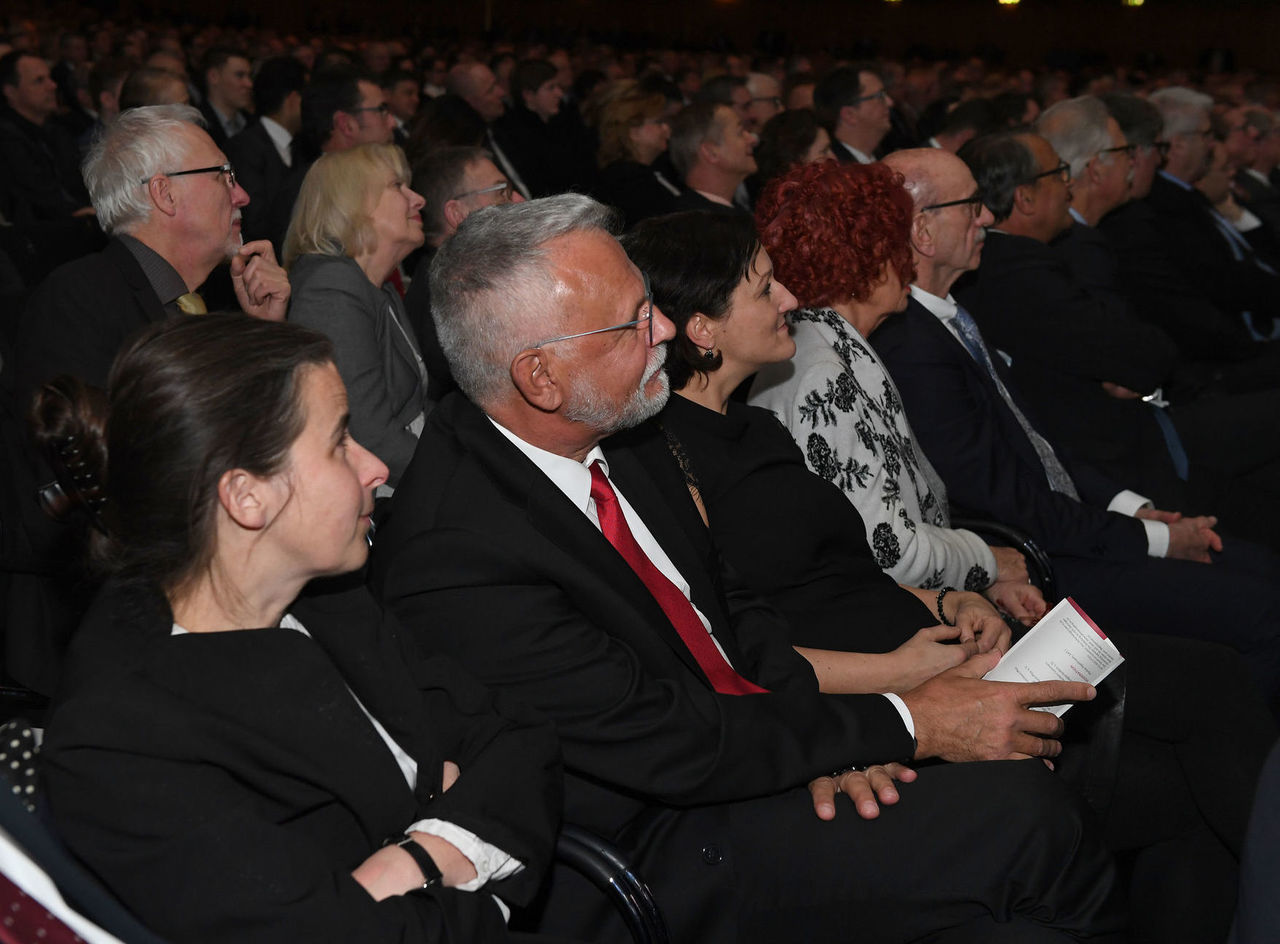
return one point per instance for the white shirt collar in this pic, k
(1258, 176)
(570, 476)
(280, 137)
(944, 309)
(714, 198)
(857, 155)
(1075, 215)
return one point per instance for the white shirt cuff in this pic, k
(903, 711)
(1157, 537)
(1248, 221)
(1127, 502)
(490, 862)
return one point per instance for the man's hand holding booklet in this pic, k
(1065, 645)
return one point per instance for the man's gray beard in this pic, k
(590, 406)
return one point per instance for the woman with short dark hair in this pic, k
(238, 762)
(791, 536)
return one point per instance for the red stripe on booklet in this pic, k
(1085, 616)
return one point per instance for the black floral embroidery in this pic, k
(977, 579)
(820, 458)
(885, 545)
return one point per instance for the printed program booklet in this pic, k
(1065, 645)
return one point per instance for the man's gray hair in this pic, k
(137, 145)
(1077, 129)
(1183, 109)
(493, 291)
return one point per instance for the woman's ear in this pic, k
(250, 501)
(538, 383)
(701, 331)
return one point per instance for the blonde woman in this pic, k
(354, 222)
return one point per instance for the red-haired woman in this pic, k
(839, 237)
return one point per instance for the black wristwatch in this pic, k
(430, 871)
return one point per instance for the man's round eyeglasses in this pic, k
(646, 317)
(503, 188)
(974, 204)
(1063, 170)
(225, 169)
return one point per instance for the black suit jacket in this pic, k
(80, 317)
(261, 173)
(483, 557)
(226, 784)
(978, 447)
(1193, 240)
(1065, 341)
(1163, 293)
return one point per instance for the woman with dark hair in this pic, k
(788, 138)
(238, 762)
(792, 537)
(840, 233)
(633, 132)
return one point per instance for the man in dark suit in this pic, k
(1251, 144)
(1096, 375)
(1216, 257)
(1130, 565)
(713, 153)
(851, 102)
(262, 152)
(586, 585)
(228, 93)
(169, 227)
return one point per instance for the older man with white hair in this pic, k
(168, 198)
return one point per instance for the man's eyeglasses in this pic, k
(773, 100)
(225, 169)
(1126, 149)
(504, 188)
(1063, 170)
(874, 96)
(383, 109)
(647, 316)
(974, 204)
(1160, 147)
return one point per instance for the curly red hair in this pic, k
(831, 229)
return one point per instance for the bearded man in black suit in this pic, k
(585, 584)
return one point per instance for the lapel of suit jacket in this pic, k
(119, 256)
(552, 516)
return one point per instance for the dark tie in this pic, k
(23, 920)
(674, 603)
(1055, 472)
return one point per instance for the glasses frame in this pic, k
(220, 168)
(492, 188)
(974, 202)
(1063, 170)
(648, 316)
(384, 108)
(882, 95)
(1128, 149)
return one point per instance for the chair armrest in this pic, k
(1039, 566)
(605, 866)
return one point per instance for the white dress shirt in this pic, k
(280, 137)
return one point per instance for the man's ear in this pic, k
(454, 213)
(709, 151)
(700, 330)
(922, 235)
(1024, 199)
(538, 383)
(248, 500)
(160, 189)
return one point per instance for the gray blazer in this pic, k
(379, 362)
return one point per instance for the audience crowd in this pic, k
(414, 447)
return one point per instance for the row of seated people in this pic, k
(503, 575)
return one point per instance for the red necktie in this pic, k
(23, 920)
(674, 603)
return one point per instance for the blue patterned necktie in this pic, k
(1054, 471)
